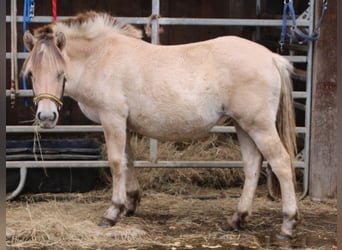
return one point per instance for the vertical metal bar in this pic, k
(154, 40)
(155, 25)
(308, 102)
(258, 13)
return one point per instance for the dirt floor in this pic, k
(164, 220)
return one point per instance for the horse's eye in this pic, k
(60, 75)
(29, 74)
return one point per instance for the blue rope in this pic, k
(27, 15)
(295, 31)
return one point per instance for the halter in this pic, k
(57, 100)
(39, 97)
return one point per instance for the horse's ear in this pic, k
(60, 40)
(29, 40)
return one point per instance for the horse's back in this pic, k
(181, 91)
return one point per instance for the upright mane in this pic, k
(90, 25)
(96, 22)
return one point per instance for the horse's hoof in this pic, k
(281, 236)
(130, 213)
(104, 222)
(133, 199)
(228, 226)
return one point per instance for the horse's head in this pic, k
(45, 66)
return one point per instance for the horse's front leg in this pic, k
(115, 136)
(132, 184)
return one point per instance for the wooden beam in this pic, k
(339, 128)
(323, 163)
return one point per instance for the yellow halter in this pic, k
(39, 97)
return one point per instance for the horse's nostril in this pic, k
(54, 116)
(47, 116)
(38, 116)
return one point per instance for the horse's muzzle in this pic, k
(47, 114)
(43, 117)
(47, 120)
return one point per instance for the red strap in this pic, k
(54, 10)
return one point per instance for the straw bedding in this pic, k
(180, 209)
(164, 221)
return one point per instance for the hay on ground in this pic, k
(162, 221)
(213, 148)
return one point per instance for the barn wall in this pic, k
(338, 138)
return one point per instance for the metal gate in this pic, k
(302, 162)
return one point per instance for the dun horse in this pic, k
(168, 93)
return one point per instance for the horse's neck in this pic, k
(77, 53)
(78, 49)
(75, 57)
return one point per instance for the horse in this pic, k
(167, 92)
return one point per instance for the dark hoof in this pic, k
(229, 226)
(130, 213)
(133, 199)
(283, 237)
(104, 222)
(237, 222)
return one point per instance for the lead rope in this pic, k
(14, 61)
(296, 35)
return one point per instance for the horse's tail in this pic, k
(285, 122)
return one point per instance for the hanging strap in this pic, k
(54, 10)
(296, 35)
(27, 15)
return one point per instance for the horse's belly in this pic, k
(174, 128)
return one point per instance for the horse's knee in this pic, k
(118, 167)
(281, 164)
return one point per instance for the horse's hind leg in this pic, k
(132, 185)
(271, 147)
(252, 162)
